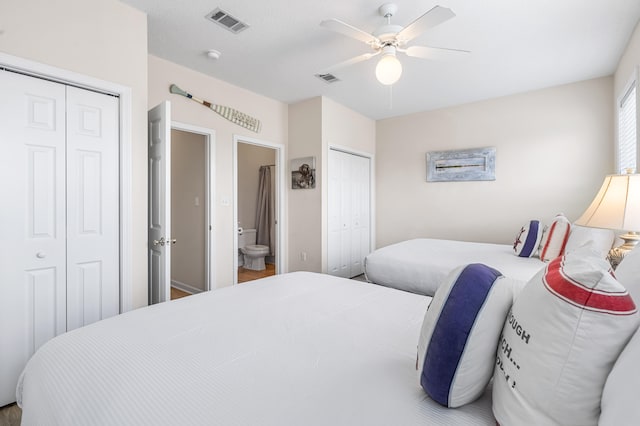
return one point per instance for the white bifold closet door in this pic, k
(349, 218)
(59, 226)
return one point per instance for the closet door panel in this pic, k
(92, 207)
(32, 249)
(334, 213)
(348, 213)
(361, 211)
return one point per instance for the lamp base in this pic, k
(615, 256)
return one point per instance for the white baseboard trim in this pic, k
(185, 287)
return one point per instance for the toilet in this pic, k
(253, 254)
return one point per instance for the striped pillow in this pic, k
(560, 341)
(528, 239)
(555, 238)
(460, 332)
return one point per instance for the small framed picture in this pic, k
(303, 173)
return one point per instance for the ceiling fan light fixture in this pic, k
(389, 68)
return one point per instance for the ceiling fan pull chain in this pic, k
(390, 96)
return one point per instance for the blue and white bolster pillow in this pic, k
(460, 333)
(528, 239)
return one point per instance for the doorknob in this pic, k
(160, 242)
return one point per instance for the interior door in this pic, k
(360, 212)
(93, 228)
(160, 203)
(349, 213)
(32, 250)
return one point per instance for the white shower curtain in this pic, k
(264, 211)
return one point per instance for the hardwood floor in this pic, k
(245, 275)
(177, 294)
(10, 415)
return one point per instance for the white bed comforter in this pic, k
(295, 349)
(420, 265)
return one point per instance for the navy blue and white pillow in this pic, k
(460, 333)
(528, 239)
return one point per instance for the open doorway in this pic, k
(258, 186)
(190, 210)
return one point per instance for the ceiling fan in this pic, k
(389, 39)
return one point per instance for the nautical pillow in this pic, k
(555, 238)
(620, 396)
(602, 239)
(628, 273)
(457, 345)
(528, 239)
(560, 341)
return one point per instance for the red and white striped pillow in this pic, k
(555, 238)
(560, 341)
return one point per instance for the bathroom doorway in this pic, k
(258, 201)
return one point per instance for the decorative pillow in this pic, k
(555, 238)
(619, 403)
(628, 273)
(560, 341)
(528, 239)
(579, 235)
(457, 346)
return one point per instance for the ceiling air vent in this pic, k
(328, 78)
(227, 21)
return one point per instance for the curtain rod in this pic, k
(268, 165)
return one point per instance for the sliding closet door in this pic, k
(32, 223)
(348, 213)
(93, 273)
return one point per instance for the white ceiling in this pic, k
(516, 45)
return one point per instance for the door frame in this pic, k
(279, 201)
(210, 244)
(124, 93)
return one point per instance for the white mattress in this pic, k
(295, 349)
(420, 265)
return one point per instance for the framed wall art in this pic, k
(303, 173)
(461, 165)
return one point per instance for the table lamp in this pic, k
(617, 207)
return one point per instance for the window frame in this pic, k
(631, 83)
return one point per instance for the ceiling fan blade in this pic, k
(348, 62)
(426, 52)
(433, 17)
(348, 30)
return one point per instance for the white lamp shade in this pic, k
(388, 70)
(616, 206)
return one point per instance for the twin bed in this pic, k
(298, 348)
(419, 265)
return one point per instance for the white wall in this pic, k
(106, 40)
(629, 62)
(273, 115)
(305, 205)
(188, 220)
(314, 125)
(553, 148)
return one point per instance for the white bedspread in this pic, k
(295, 349)
(420, 265)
